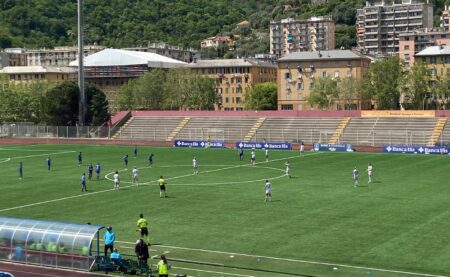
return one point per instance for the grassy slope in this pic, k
(399, 222)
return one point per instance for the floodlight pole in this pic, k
(82, 101)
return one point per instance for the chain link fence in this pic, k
(307, 136)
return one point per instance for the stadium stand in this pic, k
(445, 135)
(217, 128)
(297, 129)
(155, 128)
(388, 130)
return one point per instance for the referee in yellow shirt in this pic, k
(162, 187)
(142, 225)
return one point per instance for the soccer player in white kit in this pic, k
(369, 173)
(135, 175)
(302, 148)
(195, 166)
(253, 157)
(116, 181)
(356, 176)
(267, 155)
(288, 169)
(268, 190)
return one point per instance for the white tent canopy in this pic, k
(119, 57)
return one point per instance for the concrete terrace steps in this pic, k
(119, 133)
(254, 129)
(339, 130)
(177, 129)
(437, 131)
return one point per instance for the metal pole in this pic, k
(82, 102)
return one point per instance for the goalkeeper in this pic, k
(142, 225)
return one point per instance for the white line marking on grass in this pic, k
(39, 155)
(209, 271)
(293, 260)
(112, 189)
(5, 160)
(202, 172)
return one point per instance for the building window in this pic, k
(433, 60)
(238, 90)
(227, 100)
(349, 74)
(311, 85)
(432, 71)
(407, 57)
(406, 47)
(300, 96)
(288, 107)
(336, 74)
(287, 75)
(324, 74)
(447, 59)
(300, 86)
(238, 100)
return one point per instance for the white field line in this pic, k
(219, 169)
(202, 172)
(112, 189)
(5, 160)
(40, 155)
(215, 272)
(294, 260)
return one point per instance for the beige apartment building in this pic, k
(24, 75)
(299, 72)
(290, 35)
(380, 23)
(445, 18)
(175, 52)
(234, 79)
(59, 56)
(413, 42)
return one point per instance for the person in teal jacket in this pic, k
(109, 238)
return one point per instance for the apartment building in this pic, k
(290, 35)
(445, 18)
(59, 56)
(380, 23)
(24, 75)
(234, 78)
(175, 52)
(299, 72)
(13, 57)
(217, 41)
(413, 42)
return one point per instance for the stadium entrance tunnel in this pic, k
(47, 243)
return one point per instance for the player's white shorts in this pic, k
(268, 191)
(369, 173)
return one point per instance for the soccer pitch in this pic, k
(217, 223)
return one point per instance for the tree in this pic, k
(262, 96)
(202, 96)
(148, 90)
(176, 88)
(97, 106)
(441, 93)
(382, 83)
(325, 92)
(415, 86)
(61, 104)
(349, 92)
(125, 98)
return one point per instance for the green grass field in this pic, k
(217, 223)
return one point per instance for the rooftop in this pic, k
(230, 63)
(435, 51)
(119, 57)
(321, 55)
(37, 69)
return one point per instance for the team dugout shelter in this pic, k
(48, 243)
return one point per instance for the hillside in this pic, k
(125, 23)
